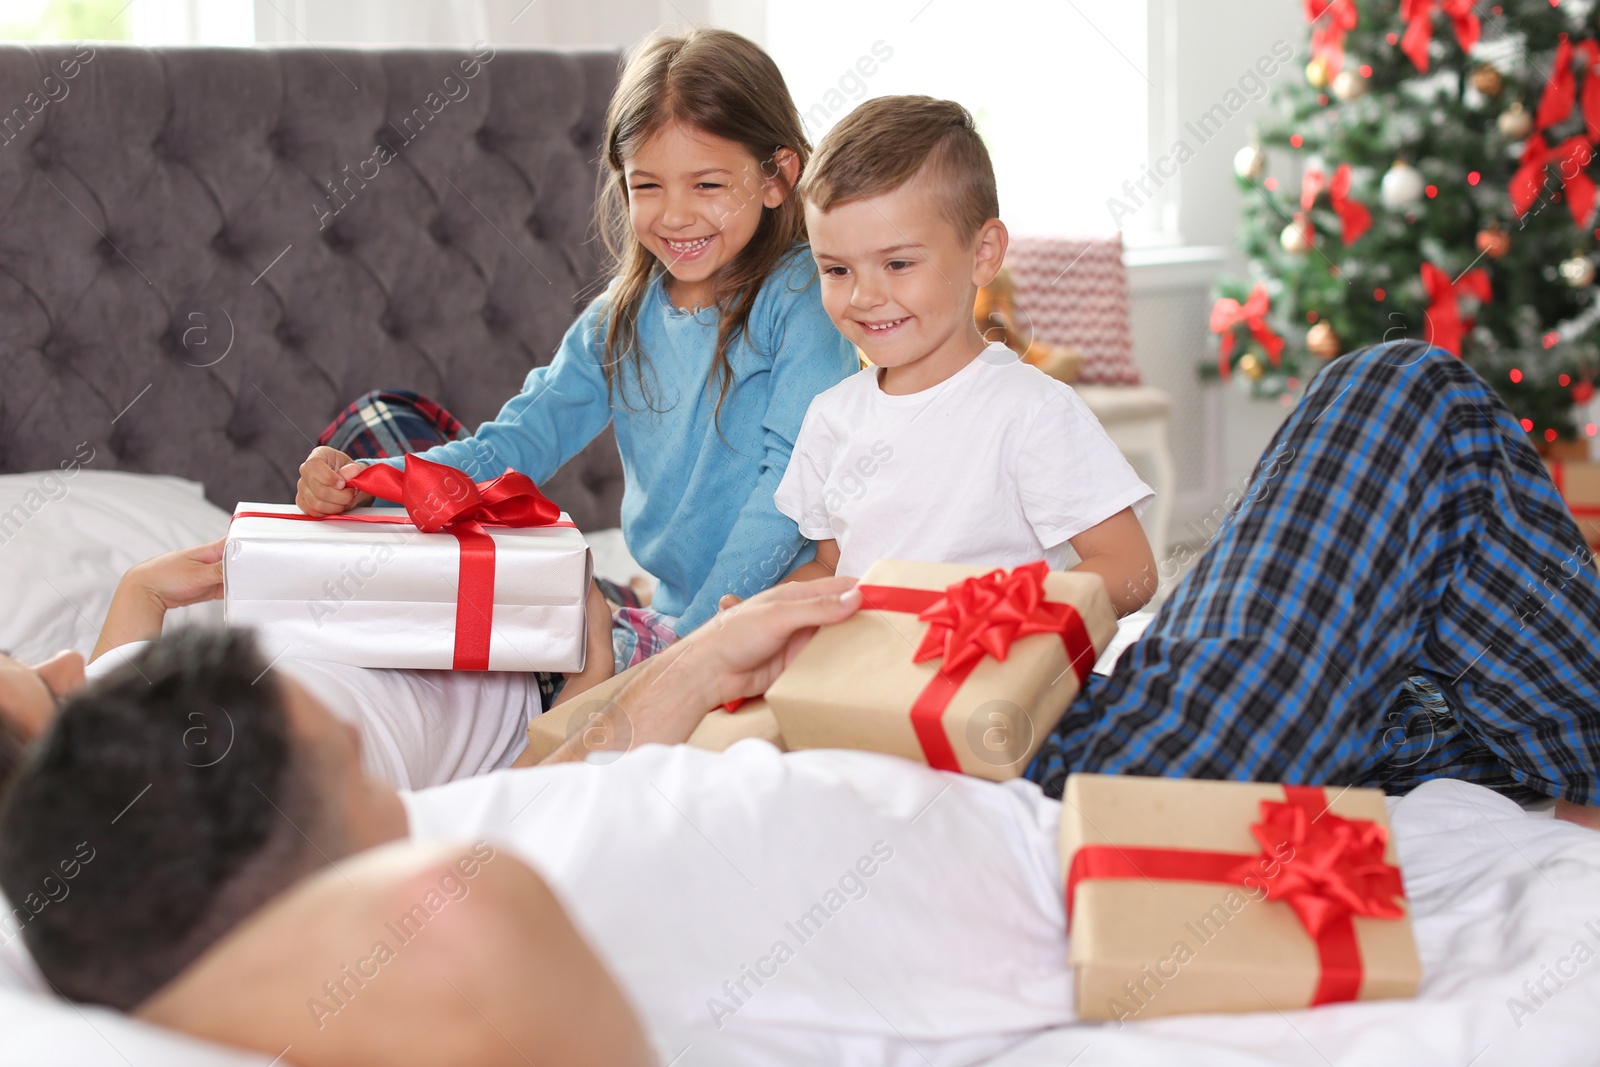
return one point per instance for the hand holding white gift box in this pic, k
(471, 576)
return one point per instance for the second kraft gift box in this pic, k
(959, 667)
(1201, 896)
(471, 576)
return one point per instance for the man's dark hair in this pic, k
(178, 776)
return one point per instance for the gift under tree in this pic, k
(1430, 175)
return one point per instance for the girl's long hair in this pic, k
(721, 84)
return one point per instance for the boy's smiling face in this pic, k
(899, 281)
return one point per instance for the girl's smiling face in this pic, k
(695, 200)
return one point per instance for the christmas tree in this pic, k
(1445, 153)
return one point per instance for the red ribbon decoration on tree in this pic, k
(1445, 327)
(970, 620)
(1555, 104)
(440, 498)
(1228, 313)
(1354, 216)
(1334, 873)
(1419, 26)
(1571, 156)
(1327, 40)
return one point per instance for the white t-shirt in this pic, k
(418, 728)
(769, 908)
(998, 465)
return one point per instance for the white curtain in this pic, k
(421, 22)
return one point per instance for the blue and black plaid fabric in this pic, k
(1401, 595)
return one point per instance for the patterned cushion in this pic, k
(1074, 291)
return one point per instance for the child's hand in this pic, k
(322, 483)
(727, 601)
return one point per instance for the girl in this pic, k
(704, 351)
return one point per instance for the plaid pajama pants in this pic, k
(387, 423)
(1401, 595)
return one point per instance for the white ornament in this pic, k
(1250, 163)
(1349, 84)
(1296, 237)
(1402, 187)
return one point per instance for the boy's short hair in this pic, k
(888, 141)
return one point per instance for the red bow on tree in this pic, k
(436, 496)
(1355, 217)
(982, 617)
(1445, 326)
(1562, 88)
(1570, 157)
(1336, 18)
(1228, 313)
(1337, 867)
(1418, 15)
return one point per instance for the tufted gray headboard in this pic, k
(205, 253)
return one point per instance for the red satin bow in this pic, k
(436, 496)
(1571, 157)
(1418, 15)
(1337, 870)
(1228, 313)
(1562, 89)
(982, 616)
(1354, 216)
(1327, 40)
(1445, 327)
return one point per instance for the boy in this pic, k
(947, 448)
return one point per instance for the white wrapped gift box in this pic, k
(387, 595)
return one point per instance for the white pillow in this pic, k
(67, 536)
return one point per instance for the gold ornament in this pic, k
(1250, 163)
(1296, 237)
(1488, 81)
(1349, 84)
(1322, 342)
(1317, 73)
(1515, 122)
(1251, 367)
(1493, 241)
(1578, 272)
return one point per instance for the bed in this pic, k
(185, 300)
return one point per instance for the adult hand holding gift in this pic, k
(473, 576)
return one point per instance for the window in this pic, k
(1060, 90)
(63, 20)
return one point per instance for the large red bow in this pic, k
(1337, 870)
(982, 617)
(1419, 26)
(1445, 326)
(1562, 88)
(1354, 216)
(1570, 157)
(1228, 313)
(436, 496)
(1337, 18)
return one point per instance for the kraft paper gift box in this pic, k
(1187, 896)
(1579, 485)
(371, 589)
(716, 732)
(1003, 655)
